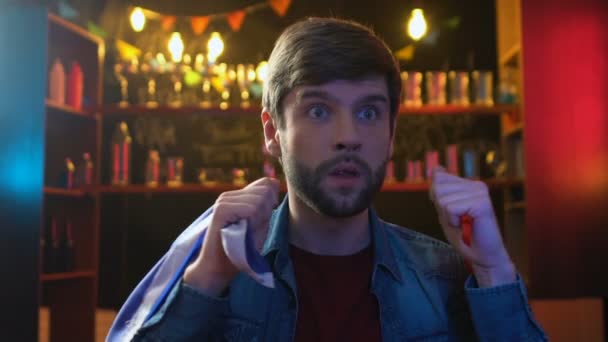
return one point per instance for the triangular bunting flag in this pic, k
(431, 38)
(66, 11)
(96, 30)
(406, 53)
(280, 6)
(127, 51)
(199, 24)
(235, 19)
(167, 22)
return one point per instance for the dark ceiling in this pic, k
(469, 45)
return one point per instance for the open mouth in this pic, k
(345, 171)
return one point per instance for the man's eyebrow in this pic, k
(314, 94)
(307, 94)
(373, 98)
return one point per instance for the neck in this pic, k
(324, 235)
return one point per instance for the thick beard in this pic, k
(306, 183)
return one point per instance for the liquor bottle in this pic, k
(68, 180)
(75, 86)
(390, 172)
(121, 155)
(451, 157)
(84, 171)
(67, 248)
(153, 168)
(57, 83)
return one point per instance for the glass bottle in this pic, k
(121, 155)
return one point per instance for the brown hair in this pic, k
(319, 50)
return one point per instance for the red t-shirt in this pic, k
(334, 298)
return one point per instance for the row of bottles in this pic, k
(78, 175)
(57, 246)
(153, 81)
(466, 159)
(171, 170)
(66, 90)
(461, 160)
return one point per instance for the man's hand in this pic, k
(454, 197)
(212, 271)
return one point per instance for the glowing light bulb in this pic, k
(416, 25)
(138, 19)
(262, 71)
(215, 47)
(176, 47)
(250, 73)
(160, 58)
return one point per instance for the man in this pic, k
(341, 273)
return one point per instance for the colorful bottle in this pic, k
(121, 155)
(75, 86)
(69, 173)
(451, 156)
(57, 83)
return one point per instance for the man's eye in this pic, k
(368, 113)
(318, 112)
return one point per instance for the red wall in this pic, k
(565, 59)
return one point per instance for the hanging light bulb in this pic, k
(176, 47)
(416, 25)
(138, 19)
(215, 47)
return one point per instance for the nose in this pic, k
(346, 134)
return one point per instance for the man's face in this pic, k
(335, 144)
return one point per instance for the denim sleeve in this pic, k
(502, 313)
(186, 315)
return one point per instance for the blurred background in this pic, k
(122, 121)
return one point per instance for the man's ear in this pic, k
(271, 134)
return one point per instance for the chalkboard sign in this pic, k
(204, 141)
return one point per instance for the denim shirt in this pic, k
(423, 290)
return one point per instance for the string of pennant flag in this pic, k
(234, 19)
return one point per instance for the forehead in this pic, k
(344, 91)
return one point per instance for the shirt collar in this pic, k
(277, 241)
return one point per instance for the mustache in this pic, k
(326, 166)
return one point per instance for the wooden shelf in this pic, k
(67, 275)
(219, 188)
(457, 110)
(185, 188)
(515, 205)
(405, 187)
(75, 29)
(511, 56)
(425, 186)
(65, 192)
(515, 181)
(55, 107)
(112, 110)
(515, 130)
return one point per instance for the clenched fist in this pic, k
(212, 271)
(455, 197)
